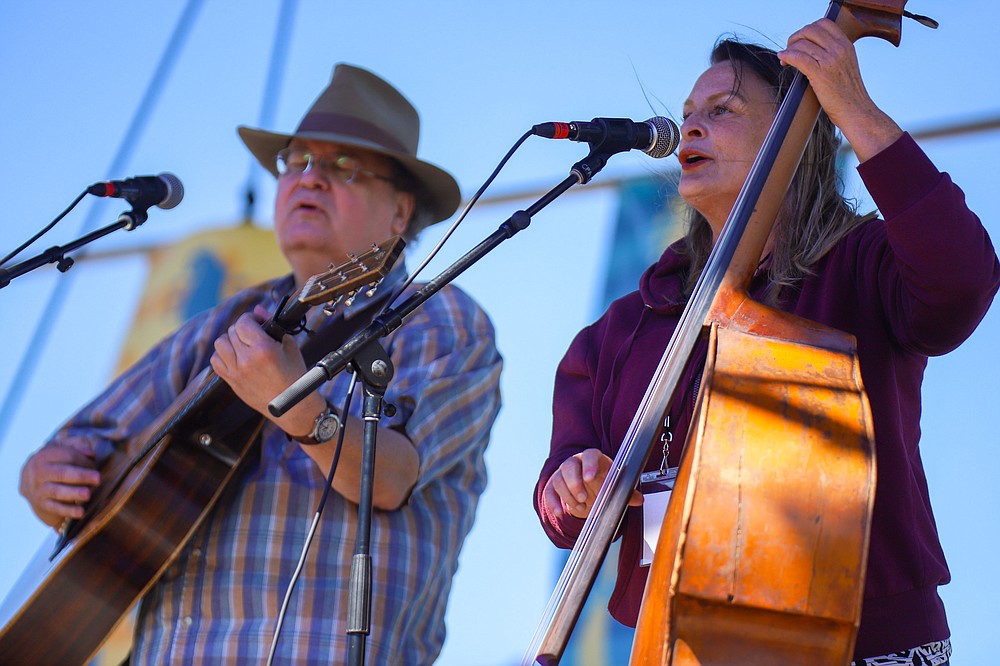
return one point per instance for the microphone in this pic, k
(657, 137)
(165, 190)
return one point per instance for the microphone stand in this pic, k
(369, 359)
(57, 255)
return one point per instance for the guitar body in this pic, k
(159, 491)
(156, 490)
(761, 557)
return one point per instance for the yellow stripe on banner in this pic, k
(195, 274)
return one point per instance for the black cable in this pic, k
(43, 231)
(454, 226)
(315, 523)
(275, 74)
(44, 327)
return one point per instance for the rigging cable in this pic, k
(275, 74)
(43, 327)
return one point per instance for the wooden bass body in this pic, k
(762, 553)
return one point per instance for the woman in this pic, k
(913, 285)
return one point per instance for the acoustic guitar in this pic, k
(156, 490)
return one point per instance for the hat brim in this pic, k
(443, 195)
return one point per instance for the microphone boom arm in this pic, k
(57, 254)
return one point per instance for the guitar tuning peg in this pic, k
(373, 287)
(349, 301)
(331, 307)
(352, 257)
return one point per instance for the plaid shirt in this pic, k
(219, 600)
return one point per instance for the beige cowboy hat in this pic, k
(360, 109)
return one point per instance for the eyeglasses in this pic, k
(341, 168)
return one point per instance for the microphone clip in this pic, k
(133, 218)
(590, 166)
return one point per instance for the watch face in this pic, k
(327, 427)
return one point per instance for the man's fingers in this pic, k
(67, 494)
(574, 486)
(571, 497)
(261, 314)
(62, 509)
(590, 465)
(76, 475)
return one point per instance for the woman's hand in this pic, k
(824, 54)
(573, 487)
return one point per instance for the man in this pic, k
(347, 177)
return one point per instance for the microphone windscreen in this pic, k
(175, 190)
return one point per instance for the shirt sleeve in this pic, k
(149, 387)
(572, 433)
(446, 387)
(940, 273)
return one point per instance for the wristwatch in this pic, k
(324, 429)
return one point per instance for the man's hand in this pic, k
(59, 478)
(257, 367)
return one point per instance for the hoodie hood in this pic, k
(661, 285)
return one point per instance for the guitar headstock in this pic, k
(363, 271)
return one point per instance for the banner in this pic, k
(195, 274)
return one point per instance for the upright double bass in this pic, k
(762, 552)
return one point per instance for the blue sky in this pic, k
(481, 74)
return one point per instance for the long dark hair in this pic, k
(815, 215)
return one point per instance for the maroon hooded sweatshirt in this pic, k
(914, 285)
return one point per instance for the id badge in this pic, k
(655, 488)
